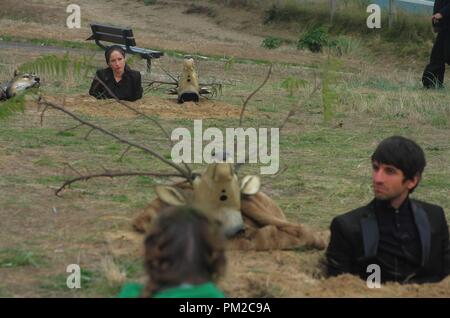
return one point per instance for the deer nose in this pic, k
(232, 231)
(37, 79)
(223, 197)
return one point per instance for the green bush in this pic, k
(344, 45)
(271, 42)
(314, 39)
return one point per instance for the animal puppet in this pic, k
(18, 84)
(249, 217)
(188, 89)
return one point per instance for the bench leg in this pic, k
(149, 65)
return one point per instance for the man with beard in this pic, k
(433, 76)
(408, 239)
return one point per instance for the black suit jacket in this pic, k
(355, 235)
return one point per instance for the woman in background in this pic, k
(122, 82)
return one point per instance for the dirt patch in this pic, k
(31, 12)
(196, 9)
(285, 274)
(152, 105)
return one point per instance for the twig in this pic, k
(189, 171)
(113, 175)
(291, 113)
(170, 75)
(72, 128)
(123, 154)
(296, 107)
(42, 115)
(73, 169)
(244, 106)
(186, 174)
(89, 132)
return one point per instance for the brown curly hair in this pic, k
(183, 246)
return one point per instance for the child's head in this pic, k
(183, 246)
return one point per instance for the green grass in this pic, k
(328, 166)
(12, 258)
(58, 282)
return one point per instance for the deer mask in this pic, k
(217, 193)
(188, 89)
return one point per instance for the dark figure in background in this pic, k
(408, 239)
(184, 257)
(124, 83)
(433, 76)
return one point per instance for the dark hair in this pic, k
(183, 245)
(402, 153)
(111, 49)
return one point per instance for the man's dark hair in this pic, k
(183, 246)
(402, 153)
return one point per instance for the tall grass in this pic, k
(408, 35)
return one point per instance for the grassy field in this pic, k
(325, 169)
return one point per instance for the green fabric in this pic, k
(207, 290)
(131, 290)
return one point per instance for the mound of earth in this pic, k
(284, 274)
(152, 105)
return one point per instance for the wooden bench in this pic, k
(123, 37)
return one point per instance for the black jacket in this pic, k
(442, 7)
(129, 88)
(355, 236)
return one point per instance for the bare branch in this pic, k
(72, 168)
(42, 115)
(170, 75)
(244, 106)
(294, 109)
(186, 174)
(89, 132)
(133, 109)
(113, 175)
(145, 116)
(71, 128)
(124, 153)
(151, 83)
(297, 106)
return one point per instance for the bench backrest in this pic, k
(112, 34)
(123, 37)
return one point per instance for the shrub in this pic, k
(271, 42)
(314, 39)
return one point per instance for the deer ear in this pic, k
(250, 185)
(170, 195)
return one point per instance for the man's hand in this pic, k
(436, 17)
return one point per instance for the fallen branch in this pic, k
(108, 174)
(186, 174)
(189, 171)
(244, 105)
